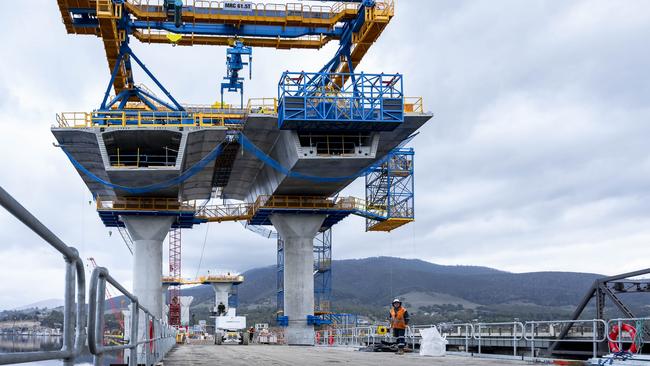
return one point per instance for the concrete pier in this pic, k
(298, 233)
(148, 233)
(221, 291)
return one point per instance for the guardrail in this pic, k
(624, 337)
(517, 335)
(74, 305)
(156, 342)
(551, 331)
(160, 337)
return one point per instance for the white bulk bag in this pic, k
(432, 343)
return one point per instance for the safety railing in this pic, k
(456, 331)
(74, 305)
(141, 160)
(143, 204)
(508, 331)
(623, 331)
(523, 338)
(267, 201)
(262, 106)
(132, 118)
(225, 212)
(156, 340)
(329, 97)
(279, 13)
(547, 331)
(413, 105)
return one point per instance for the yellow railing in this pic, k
(143, 204)
(107, 9)
(267, 201)
(144, 119)
(413, 104)
(203, 279)
(262, 106)
(246, 211)
(267, 12)
(200, 115)
(220, 278)
(227, 212)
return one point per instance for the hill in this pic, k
(432, 291)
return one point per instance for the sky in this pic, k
(536, 159)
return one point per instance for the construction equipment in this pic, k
(148, 158)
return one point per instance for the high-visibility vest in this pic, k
(397, 320)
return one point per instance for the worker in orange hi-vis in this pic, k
(399, 319)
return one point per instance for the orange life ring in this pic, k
(613, 338)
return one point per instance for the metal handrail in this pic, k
(73, 337)
(529, 332)
(619, 322)
(568, 323)
(164, 335)
(515, 337)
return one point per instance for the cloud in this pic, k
(536, 159)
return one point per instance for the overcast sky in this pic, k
(536, 160)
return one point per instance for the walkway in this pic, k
(234, 355)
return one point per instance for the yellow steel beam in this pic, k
(156, 36)
(261, 14)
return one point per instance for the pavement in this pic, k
(235, 355)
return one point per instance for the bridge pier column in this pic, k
(298, 231)
(221, 291)
(148, 233)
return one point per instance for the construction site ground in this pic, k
(235, 355)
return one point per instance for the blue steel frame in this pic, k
(125, 56)
(280, 277)
(234, 64)
(323, 271)
(327, 100)
(390, 187)
(233, 297)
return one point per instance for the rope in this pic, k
(618, 356)
(205, 240)
(196, 168)
(266, 159)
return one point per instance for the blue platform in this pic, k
(337, 101)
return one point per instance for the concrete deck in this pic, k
(234, 355)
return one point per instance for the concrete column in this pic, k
(221, 291)
(298, 233)
(148, 233)
(165, 307)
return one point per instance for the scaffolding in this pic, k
(175, 273)
(323, 272)
(280, 277)
(390, 191)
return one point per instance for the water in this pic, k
(10, 343)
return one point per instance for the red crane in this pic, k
(175, 272)
(115, 310)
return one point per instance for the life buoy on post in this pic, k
(615, 333)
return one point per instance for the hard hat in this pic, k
(396, 300)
